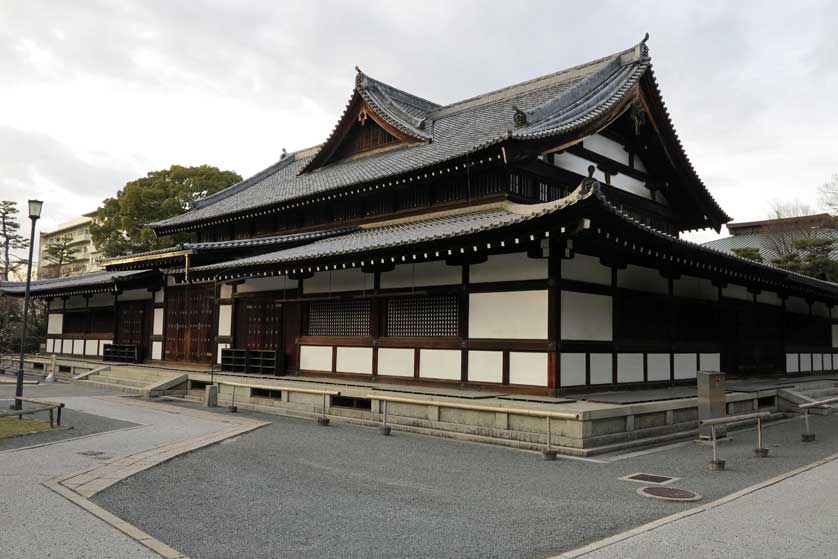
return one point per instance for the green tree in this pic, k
(812, 258)
(58, 252)
(749, 253)
(120, 227)
(10, 237)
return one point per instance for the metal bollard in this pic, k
(323, 421)
(232, 407)
(808, 436)
(548, 453)
(384, 429)
(760, 451)
(715, 465)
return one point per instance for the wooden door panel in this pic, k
(189, 323)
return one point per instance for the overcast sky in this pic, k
(96, 93)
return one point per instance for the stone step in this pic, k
(120, 374)
(118, 380)
(115, 387)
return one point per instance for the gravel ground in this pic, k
(293, 489)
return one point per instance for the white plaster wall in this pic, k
(485, 366)
(272, 283)
(792, 363)
(629, 367)
(157, 325)
(157, 351)
(75, 302)
(827, 361)
(316, 358)
(516, 266)
(658, 366)
(101, 300)
(354, 360)
(641, 278)
(107, 342)
(805, 362)
(573, 369)
(159, 295)
(586, 268)
(607, 147)
(396, 362)
(820, 309)
(797, 305)
(834, 335)
(135, 295)
(91, 347)
(586, 316)
(528, 368)
(351, 279)
(217, 352)
(55, 324)
(78, 347)
(769, 298)
(696, 288)
(225, 320)
(602, 368)
(817, 362)
(580, 165)
(440, 363)
(50, 345)
(225, 291)
(709, 361)
(56, 304)
(421, 275)
(508, 315)
(733, 291)
(685, 365)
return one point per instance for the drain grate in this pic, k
(669, 494)
(91, 453)
(656, 479)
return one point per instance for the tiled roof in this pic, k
(94, 280)
(552, 105)
(768, 248)
(408, 232)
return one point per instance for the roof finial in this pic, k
(645, 38)
(358, 68)
(283, 155)
(591, 170)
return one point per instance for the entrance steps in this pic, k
(804, 393)
(142, 381)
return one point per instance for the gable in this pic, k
(364, 135)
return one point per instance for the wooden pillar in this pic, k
(554, 314)
(376, 318)
(464, 294)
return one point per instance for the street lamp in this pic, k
(34, 213)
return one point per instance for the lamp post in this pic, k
(34, 213)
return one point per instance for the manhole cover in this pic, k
(669, 494)
(650, 478)
(92, 453)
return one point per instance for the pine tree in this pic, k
(10, 237)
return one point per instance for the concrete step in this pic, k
(115, 387)
(117, 380)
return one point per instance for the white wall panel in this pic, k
(602, 368)
(685, 365)
(157, 326)
(834, 335)
(710, 362)
(515, 266)
(103, 343)
(827, 361)
(55, 324)
(421, 275)
(817, 362)
(792, 363)
(50, 345)
(640, 278)
(351, 279)
(733, 291)
(629, 367)
(354, 360)
(274, 283)
(225, 320)
(607, 147)
(225, 291)
(91, 347)
(159, 295)
(485, 366)
(797, 305)
(316, 358)
(573, 369)
(658, 366)
(769, 298)
(586, 268)
(805, 362)
(395, 362)
(508, 315)
(78, 347)
(586, 316)
(440, 363)
(157, 351)
(695, 288)
(528, 368)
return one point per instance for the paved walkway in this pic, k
(39, 521)
(792, 518)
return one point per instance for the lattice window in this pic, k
(339, 318)
(437, 315)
